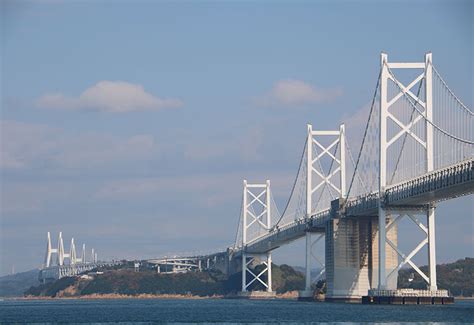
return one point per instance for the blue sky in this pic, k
(131, 124)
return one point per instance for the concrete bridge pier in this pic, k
(352, 258)
(221, 263)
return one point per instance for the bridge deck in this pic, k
(443, 184)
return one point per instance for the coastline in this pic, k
(111, 296)
(291, 295)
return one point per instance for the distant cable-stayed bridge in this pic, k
(58, 263)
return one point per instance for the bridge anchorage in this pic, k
(54, 269)
(417, 150)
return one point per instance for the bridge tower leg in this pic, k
(256, 196)
(60, 250)
(83, 254)
(72, 252)
(432, 248)
(389, 216)
(429, 167)
(307, 285)
(49, 251)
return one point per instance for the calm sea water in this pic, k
(223, 311)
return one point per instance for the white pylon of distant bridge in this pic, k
(417, 149)
(65, 264)
(62, 256)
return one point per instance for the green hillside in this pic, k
(15, 285)
(128, 282)
(457, 277)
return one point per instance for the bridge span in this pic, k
(417, 150)
(444, 184)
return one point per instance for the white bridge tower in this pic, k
(317, 178)
(389, 216)
(256, 197)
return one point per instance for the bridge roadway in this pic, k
(56, 272)
(178, 264)
(442, 184)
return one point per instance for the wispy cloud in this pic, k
(27, 145)
(245, 148)
(23, 143)
(109, 96)
(208, 189)
(292, 92)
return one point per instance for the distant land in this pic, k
(457, 277)
(16, 284)
(125, 281)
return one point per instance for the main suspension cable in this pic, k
(365, 133)
(450, 91)
(294, 184)
(240, 221)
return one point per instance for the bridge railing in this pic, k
(453, 175)
(313, 221)
(362, 204)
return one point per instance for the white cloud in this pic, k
(291, 92)
(109, 96)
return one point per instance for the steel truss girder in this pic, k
(406, 208)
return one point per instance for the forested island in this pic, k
(457, 277)
(126, 281)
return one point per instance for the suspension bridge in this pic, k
(417, 149)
